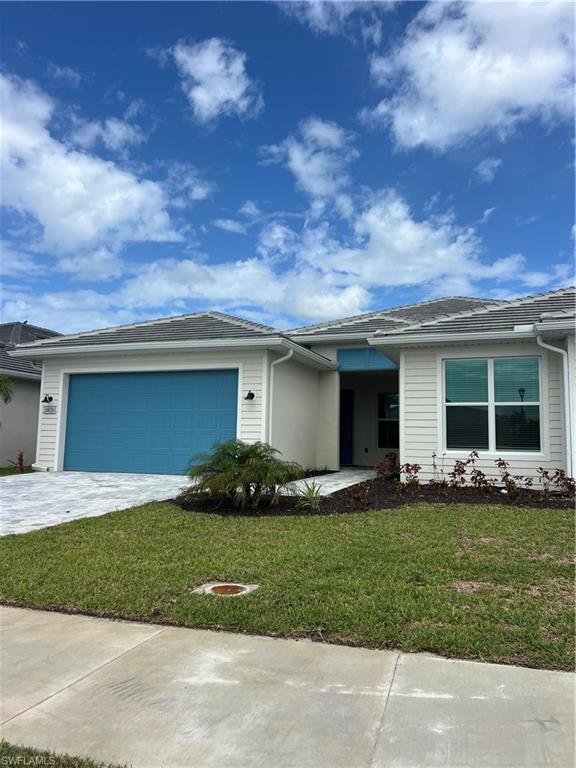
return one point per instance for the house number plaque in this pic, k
(48, 409)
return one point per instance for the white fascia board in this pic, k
(274, 342)
(21, 375)
(423, 339)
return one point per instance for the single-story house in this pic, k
(443, 377)
(19, 417)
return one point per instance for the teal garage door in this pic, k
(147, 422)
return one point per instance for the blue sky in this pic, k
(287, 162)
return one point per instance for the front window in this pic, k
(492, 404)
(388, 433)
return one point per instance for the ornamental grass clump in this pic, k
(246, 475)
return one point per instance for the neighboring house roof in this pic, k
(12, 334)
(502, 316)
(197, 326)
(394, 318)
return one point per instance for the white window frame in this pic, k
(492, 452)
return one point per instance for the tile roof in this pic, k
(456, 314)
(12, 334)
(393, 318)
(501, 316)
(197, 326)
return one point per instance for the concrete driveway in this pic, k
(153, 696)
(40, 499)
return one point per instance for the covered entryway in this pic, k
(152, 422)
(369, 407)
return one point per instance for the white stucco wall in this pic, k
(252, 376)
(421, 415)
(294, 423)
(19, 422)
(328, 421)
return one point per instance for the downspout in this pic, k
(273, 365)
(567, 400)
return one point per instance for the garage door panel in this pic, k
(147, 422)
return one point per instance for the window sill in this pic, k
(465, 452)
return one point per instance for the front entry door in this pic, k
(346, 426)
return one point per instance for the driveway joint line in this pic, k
(83, 677)
(381, 723)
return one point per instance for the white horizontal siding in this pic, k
(55, 370)
(422, 410)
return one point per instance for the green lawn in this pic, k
(482, 582)
(11, 754)
(13, 471)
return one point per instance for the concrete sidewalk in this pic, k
(154, 696)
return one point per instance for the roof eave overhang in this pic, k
(272, 343)
(20, 374)
(329, 338)
(566, 326)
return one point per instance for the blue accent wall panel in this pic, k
(364, 359)
(147, 422)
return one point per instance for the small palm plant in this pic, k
(245, 474)
(6, 389)
(309, 496)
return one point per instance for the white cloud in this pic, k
(393, 248)
(114, 134)
(487, 214)
(486, 170)
(250, 209)
(95, 208)
(135, 107)
(184, 184)
(310, 274)
(17, 263)
(65, 75)
(339, 17)
(465, 69)
(317, 157)
(97, 265)
(66, 311)
(299, 292)
(276, 239)
(81, 203)
(230, 225)
(215, 80)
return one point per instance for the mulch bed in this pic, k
(381, 494)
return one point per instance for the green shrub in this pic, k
(245, 474)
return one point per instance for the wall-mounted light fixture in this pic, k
(250, 395)
(47, 399)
